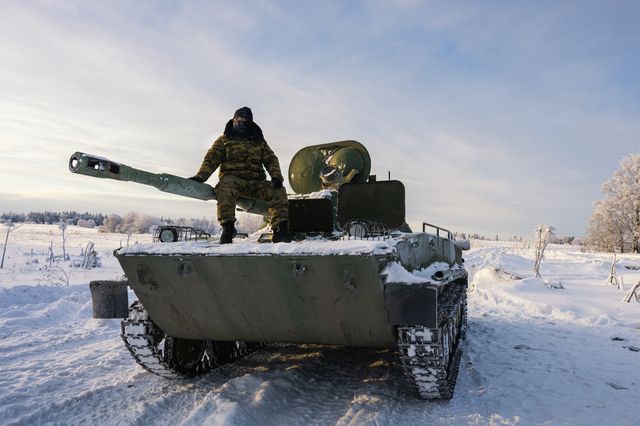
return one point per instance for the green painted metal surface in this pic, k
(297, 299)
(419, 250)
(329, 299)
(381, 202)
(306, 165)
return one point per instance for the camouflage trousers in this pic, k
(229, 188)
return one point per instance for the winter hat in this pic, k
(244, 112)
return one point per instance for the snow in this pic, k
(324, 193)
(397, 274)
(533, 355)
(250, 246)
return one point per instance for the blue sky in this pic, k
(497, 115)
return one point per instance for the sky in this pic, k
(496, 115)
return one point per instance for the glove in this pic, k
(197, 179)
(276, 182)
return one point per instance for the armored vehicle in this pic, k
(355, 275)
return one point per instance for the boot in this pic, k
(228, 232)
(281, 233)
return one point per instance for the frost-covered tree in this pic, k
(543, 235)
(129, 233)
(63, 228)
(111, 222)
(132, 221)
(615, 221)
(13, 217)
(142, 223)
(605, 230)
(624, 189)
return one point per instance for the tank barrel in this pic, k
(92, 165)
(100, 167)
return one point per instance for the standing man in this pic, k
(241, 152)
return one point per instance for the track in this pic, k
(174, 358)
(431, 358)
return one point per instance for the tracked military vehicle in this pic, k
(356, 275)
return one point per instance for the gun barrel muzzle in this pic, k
(92, 165)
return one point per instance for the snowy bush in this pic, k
(55, 275)
(89, 258)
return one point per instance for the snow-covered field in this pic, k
(533, 355)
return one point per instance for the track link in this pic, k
(430, 358)
(174, 358)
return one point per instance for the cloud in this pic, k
(494, 114)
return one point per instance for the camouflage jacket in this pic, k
(240, 156)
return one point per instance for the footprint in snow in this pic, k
(632, 348)
(525, 347)
(615, 386)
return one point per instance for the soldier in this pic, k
(241, 152)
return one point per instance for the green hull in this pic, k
(310, 299)
(205, 291)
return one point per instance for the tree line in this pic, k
(141, 223)
(553, 239)
(132, 222)
(49, 217)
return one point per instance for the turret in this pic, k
(352, 200)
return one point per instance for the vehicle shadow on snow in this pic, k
(304, 384)
(313, 384)
(309, 384)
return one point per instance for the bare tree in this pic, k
(10, 227)
(543, 234)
